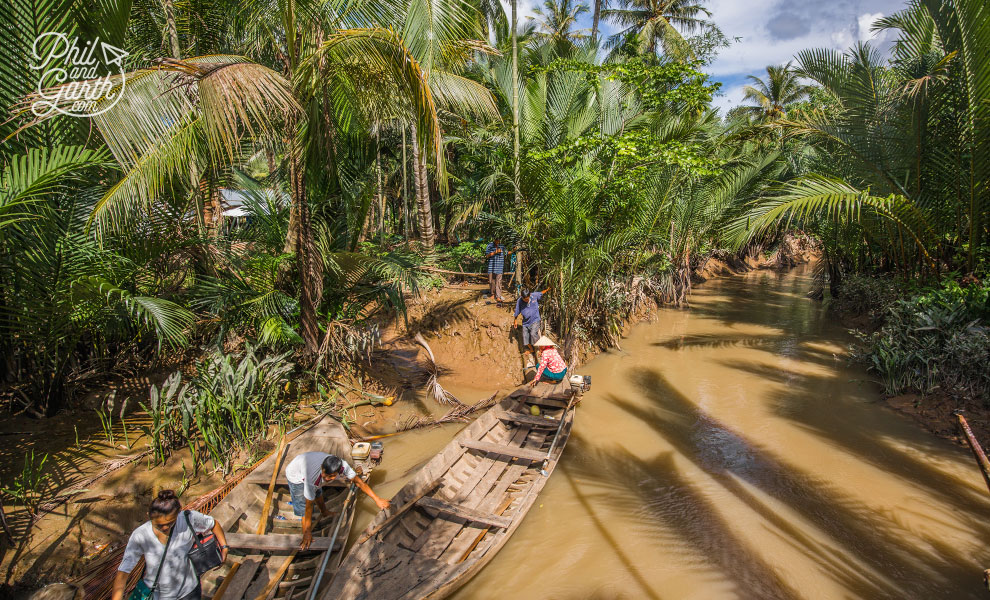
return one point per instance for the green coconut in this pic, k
(534, 410)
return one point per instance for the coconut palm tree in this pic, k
(556, 21)
(652, 26)
(769, 99)
(898, 140)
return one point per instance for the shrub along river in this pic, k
(729, 451)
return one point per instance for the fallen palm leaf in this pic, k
(433, 387)
(459, 413)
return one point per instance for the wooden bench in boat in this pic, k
(505, 450)
(525, 419)
(463, 512)
(274, 542)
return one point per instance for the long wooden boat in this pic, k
(458, 511)
(270, 566)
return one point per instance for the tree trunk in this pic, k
(517, 194)
(172, 31)
(426, 234)
(381, 188)
(310, 273)
(405, 188)
(594, 20)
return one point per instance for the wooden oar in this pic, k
(279, 455)
(412, 502)
(481, 534)
(556, 436)
(277, 577)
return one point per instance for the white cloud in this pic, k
(842, 39)
(865, 22)
(525, 8)
(731, 98)
(771, 32)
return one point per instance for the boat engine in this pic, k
(580, 383)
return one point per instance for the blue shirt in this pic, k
(496, 262)
(530, 311)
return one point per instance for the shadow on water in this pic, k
(807, 403)
(676, 515)
(606, 532)
(885, 562)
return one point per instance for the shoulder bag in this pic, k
(205, 552)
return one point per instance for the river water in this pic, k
(729, 451)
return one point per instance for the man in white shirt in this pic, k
(307, 473)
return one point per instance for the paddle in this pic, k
(556, 436)
(262, 525)
(333, 538)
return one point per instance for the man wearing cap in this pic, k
(528, 313)
(552, 367)
(307, 474)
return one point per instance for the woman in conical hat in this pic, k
(552, 367)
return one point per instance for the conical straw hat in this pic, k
(544, 341)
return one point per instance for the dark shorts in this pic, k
(530, 333)
(299, 499)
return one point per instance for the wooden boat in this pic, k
(270, 566)
(459, 510)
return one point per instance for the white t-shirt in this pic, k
(178, 577)
(307, 469)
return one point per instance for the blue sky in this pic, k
(772, 31)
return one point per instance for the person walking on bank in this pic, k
(307, 474)
(528, 314)
(164, 543)
(495, 255)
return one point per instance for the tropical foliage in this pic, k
(278, 173)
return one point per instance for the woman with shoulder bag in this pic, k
(173, 544)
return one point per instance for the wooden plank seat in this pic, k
(276, 542)
(525, 419)
(463, 512)
(504, 450)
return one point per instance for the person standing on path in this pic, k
(528, 314)
(495, 255)
(164, 543)
(307, 473)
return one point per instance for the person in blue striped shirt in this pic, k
(495, 255)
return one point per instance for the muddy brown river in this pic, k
(730, 451)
